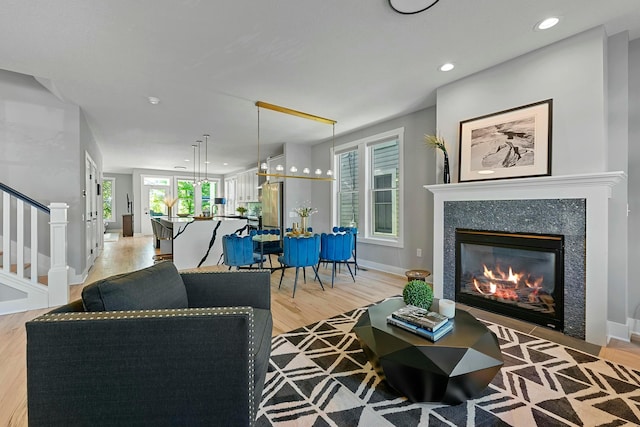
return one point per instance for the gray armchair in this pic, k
(159, 354)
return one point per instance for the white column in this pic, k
(58, 272)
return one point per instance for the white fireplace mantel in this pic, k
(595, 188)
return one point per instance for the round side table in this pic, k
(417, 275)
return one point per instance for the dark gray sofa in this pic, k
(160, 355)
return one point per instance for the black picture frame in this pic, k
(513, 143)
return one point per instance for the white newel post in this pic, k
(58, 272)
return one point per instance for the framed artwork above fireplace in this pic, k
(514, 143)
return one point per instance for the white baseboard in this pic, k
(75, 278)
(382, 267)
(634, 326)
(619, 331)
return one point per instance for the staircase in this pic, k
(33, 254)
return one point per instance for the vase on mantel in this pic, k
(303, 223)
(446, 176)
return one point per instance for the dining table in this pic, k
(262, 239)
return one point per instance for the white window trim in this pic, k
(364, 178)
(113, 198)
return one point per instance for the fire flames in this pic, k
(506, 285)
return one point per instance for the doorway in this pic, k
(155, 190)
(90, 194)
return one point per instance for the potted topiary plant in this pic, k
(418, 293)
(241, 210)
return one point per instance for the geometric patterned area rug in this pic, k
(319, 376)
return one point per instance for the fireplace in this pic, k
(515, 274)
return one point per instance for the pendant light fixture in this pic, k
(195, 181)
(206, 157)
(293, 170)
(199, 149)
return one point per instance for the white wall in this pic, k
(634, 182)
(42, 152)
(419, 170)
(617, 160)
(572, 72)
(587, 110)
(298, 191)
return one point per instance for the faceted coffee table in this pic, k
(455, 368)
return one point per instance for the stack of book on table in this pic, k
(427, 324)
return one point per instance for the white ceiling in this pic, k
(357, 62)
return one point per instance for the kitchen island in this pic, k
(198, 243)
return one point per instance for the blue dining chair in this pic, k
(238, 251)
(336, 248)
(300, 252)
(354, 232)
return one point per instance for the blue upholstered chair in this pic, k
(354, 255)
(300, 252)
(238, 251)
(336, 248)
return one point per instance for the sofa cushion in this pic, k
(156, 287)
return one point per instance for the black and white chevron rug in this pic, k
(318, 376)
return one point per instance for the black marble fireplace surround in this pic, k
(565, 217)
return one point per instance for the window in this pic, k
(348, 189)
(384, 192)
(186, 197)
(369, 187)
(195, 200)
(108, 199)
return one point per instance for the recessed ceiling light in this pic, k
(547, 23)
(187, 160)
(153, 100)
(225, 164)
(447, 67)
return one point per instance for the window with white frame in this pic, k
(369, 187)
(348, 203)
(108, 199)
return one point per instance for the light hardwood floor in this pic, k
(310, 304)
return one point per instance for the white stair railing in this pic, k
(23, 256)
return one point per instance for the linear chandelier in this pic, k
(306, 172)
